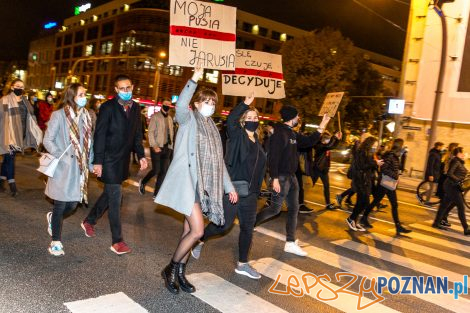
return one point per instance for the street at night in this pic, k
(34, 281)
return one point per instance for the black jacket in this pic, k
(363, 169)
(321, 159)
(433, 167)
(115, 137)
(238, 147)
(457, 171)
(283, 145)
(391, 166)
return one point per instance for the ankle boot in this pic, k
(401, 229)
(13, 189)
(185, 285)
(169, 274)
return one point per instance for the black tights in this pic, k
(193, 230)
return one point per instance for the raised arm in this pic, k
(233, 119)
(182, 105)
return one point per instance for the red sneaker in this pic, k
(120, 248)
(88, 228)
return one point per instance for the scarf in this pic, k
(11, 132)
(82, 153)
(210, 163)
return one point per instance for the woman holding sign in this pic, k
(196, 179)
(245, 160)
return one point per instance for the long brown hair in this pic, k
(8, 90)
(69, 94)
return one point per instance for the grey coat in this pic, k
(65, 185)
(178, 190)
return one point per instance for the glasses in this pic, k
(128, 88)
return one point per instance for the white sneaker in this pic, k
(359, 227)
(293, 247)
(56, 248)
(49, 226)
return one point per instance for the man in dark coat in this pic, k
(433, 168)
(118, 132)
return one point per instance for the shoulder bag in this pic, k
(48, 163)
(388, 182)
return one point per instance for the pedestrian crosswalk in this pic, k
(278, 272)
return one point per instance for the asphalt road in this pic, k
(33, 281)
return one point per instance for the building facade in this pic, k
(131, 36)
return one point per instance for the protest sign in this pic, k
(331, 103)
(257, 72)
(202, 33)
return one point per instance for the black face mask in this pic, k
(251, 126)
(18, 91)
(165, 108)
(294, 124)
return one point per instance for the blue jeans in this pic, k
(290, 194)
(8, 167)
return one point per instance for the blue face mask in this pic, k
(126, 96)
(81, 102)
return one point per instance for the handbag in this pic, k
(48, 163)
(242, 186)
(388, 182)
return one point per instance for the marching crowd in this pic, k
(215, 180)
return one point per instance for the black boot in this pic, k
(401, 229)
(169, 274)
(2, 185)
(185, 285)
(13, 189)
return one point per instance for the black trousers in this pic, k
(245, 208)
(378, 196)
(325, 179)
(109, 200)
(60, 210)
(160, 164)
(453, 197)
(299, 176)
(289, 193)
(362, 203)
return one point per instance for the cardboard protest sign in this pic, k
(257, 72)
(331, 103)
(204, 33)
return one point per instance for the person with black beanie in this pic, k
(283, 163)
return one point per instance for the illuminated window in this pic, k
(82, 22)
(212, 76)
(283, 37)
(106, 47)
(126, 7)
(95, 18)
(90, 49)
(255, 30)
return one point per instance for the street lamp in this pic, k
(156, 84)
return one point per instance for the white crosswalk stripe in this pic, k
(454, 232)
(228, 298)
(445, 243)
(346, 302)
(439, 254)
(116, 303)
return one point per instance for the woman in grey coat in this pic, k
(196, 179)
(69, 130)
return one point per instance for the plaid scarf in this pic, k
(11, 133)
(210, 162)
(82, 153)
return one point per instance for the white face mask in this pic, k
(207, 110)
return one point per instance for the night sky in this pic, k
(22, 20)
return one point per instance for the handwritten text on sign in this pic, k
(257, 72)
(331, 103)
(202, 33)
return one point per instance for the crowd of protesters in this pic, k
(222, 176)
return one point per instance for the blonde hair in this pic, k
(244, 116)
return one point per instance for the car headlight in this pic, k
(345, 152)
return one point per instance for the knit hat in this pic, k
(288, 113)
